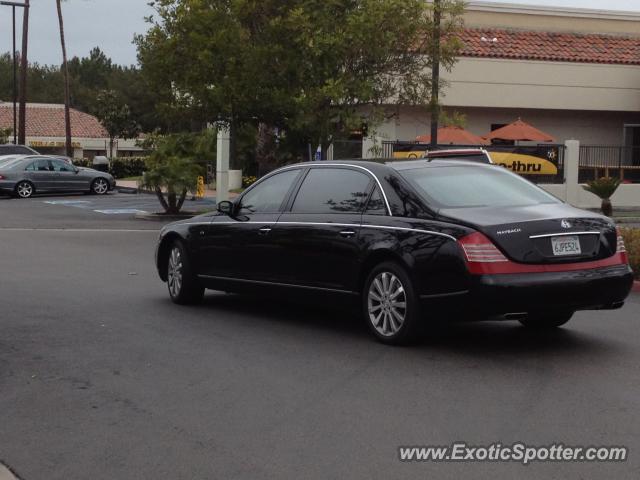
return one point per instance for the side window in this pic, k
(376, 205)
(60, 166)
(332, 190)
(32, 167)
(268, 195)
(43, 165)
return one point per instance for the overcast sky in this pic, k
(111, 25)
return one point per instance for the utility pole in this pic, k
(435, 73)
(15, 80)
(24, 65)
(13, 6)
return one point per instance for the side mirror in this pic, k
(226, 207)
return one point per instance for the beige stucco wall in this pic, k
(550, 19)
(483, 82)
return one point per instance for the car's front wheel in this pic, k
(25, 189)
(99, 186)
(546, 320)
(184, 288)
(390, 305)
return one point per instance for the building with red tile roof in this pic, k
(574, 73)
(45, 130)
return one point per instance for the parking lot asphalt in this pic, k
(115, 210)
(102, 377)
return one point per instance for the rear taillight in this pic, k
(478, 251)
(1, 177)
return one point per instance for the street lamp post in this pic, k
(13, 6)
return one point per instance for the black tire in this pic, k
(546, 320)
(386, 326)
(24, 189)
(99, 186)
(184, 287)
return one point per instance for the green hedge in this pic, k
(122, 167)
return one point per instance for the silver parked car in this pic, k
(27, 174)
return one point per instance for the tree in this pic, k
(116, 118)
(604, 188)
(67, 96)
(307, 67)
(174, 166)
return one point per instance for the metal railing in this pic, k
(622, 162)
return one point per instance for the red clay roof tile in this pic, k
(45, 120)
(559, 47)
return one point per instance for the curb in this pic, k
(129, 190)
(161, 217)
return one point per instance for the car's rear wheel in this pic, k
(99, 186)
(546, 320)
(390, 306)
(24, 189)
(184, 288)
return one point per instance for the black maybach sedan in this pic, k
(412, 241)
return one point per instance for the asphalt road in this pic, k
(102, 377)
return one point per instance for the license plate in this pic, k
(566, 245)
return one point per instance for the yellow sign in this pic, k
(40, 144)
(524, 164)
(200, 190)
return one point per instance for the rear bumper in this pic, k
(500, 294)
(7, 186)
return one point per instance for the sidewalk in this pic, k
(132, 184)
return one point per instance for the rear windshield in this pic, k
(480, 158)
(468, 186)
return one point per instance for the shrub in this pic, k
(121, 167)
(632, 242)
(128, 167)
(604, 188)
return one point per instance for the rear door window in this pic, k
(332, 190)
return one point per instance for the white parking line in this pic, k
(119, 211)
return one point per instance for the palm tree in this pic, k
(65, 70)
(604, 188)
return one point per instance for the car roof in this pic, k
(380, 165)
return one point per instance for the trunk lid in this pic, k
(531, 234)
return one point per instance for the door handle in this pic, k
(264, 231)
(347, 233)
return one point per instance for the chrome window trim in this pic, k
(323, 164)
(564, 234)
(335, 224)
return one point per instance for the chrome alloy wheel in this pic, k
(387, 304)
(24, 189)
(174, 272)
(100, 186)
